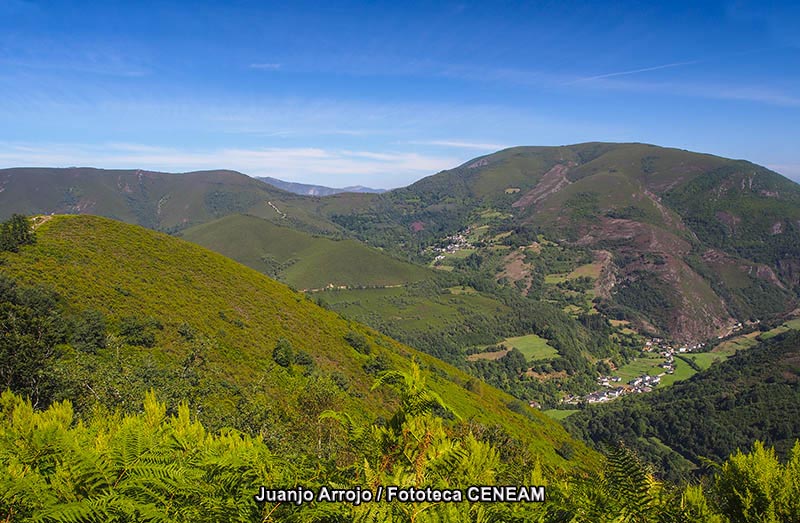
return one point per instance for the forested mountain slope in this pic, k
(694, 242)
(687, 244)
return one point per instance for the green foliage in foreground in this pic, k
(154, 467)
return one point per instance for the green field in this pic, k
(650, 365)
(705, 359)
(729, 347)
(461, 289)
(533, 347)
(591, 270)
(639, 366)
(553, 279)
(682, 372)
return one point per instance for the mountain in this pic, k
(679, 244)
(163, 201)
(685, 244)
(140, 309)
(316, 190)
(301, 259)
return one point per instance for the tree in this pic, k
(31, 328)
(14, 232)
(358, 341)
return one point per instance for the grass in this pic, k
(729, 347)
(408, 311)
(533, 347)
(705, 359)
(553, 279)
(650, 365)
(780, 329)
(462, 289)
(123, 270)
(301, 259)
(639, 366)
(789, 325)
(490, 356)
(682, 372)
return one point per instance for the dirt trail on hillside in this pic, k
(39, 220)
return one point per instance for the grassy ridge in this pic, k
(124, 270)
(301, 259)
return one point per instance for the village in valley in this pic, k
(613, 386)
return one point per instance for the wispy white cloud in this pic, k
(266, 66)
(633, 71)
(477, 146)
(614, 81)
(744, 93)
(382, 169)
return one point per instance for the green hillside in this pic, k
(199, 327)
(301, 259)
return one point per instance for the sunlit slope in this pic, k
(124, 270)
(301, 259)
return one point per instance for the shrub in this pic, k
(283, 353)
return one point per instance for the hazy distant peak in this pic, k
(316, 190)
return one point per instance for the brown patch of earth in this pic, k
(551, 182)
(697, 311)
(608, 274)
(516, 269)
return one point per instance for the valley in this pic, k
(563, 276)
(496, 249)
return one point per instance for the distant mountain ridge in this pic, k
(316, 190)
(157, 200)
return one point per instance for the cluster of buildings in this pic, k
(664, 347)
(644, 383)
(454, 243)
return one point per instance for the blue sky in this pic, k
(384, 93)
